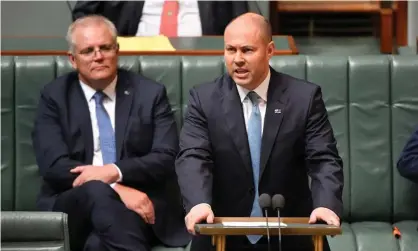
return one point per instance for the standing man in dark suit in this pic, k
(172, 18)
(105, 141)
(254, 131)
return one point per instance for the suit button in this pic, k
(252, 191)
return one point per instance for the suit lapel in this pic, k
(234, 119)
(81, 114)
(124, 98)
(276, 104)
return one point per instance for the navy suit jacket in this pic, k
(214, 162)
(214, 15)
(408, 161)
(146, 145)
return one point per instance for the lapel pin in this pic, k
(278, 111)
(126, 92)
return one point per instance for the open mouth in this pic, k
(241, 73)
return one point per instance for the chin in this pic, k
(101, 75)
(241, 82)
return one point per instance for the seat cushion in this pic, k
(374, 236)
(344, 242)
(364, 236)
(164, 248)
(408, 240)
(33, 246)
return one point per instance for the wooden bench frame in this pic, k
(385, 13)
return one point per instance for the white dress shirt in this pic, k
(261, 91)
(109, 103)
(189, 24)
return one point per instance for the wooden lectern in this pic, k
(293, 226)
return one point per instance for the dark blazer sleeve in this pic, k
(408, 161)
(154, 167)
(125, 15)
(322, 158)
(238, 8)
(84, 8)
(51, 151)
(225, 12)
(194, 163)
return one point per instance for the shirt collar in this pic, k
(261, 90)
(110, 90)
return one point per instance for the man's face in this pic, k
(247, 55)
(95, 53)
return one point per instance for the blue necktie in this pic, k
(106, 133)
(254, 141)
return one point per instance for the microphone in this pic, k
(265, 203)
(278, 203)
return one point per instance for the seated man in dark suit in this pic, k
(105, 141)
(183, 18)
(254, 130)
(408, 161)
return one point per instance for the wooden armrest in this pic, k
(328, 6)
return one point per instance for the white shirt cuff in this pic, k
(120, 173)
(206, 204)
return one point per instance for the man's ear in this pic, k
(270, 49)
(117, 47)
(72, 60)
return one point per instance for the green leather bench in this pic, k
(407, 50)
(34, 231)
(372, 103)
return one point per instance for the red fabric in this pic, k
(168, 26)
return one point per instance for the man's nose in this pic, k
(98, 54)
(238, 59)
(238, 56)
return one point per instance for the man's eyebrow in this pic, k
(241, 46)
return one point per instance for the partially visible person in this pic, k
(254, 130)
(105, 141)
(181, 18)
(408, 161)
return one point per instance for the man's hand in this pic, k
(137, 201)
(198, 214)
(107, 173)
(324, 214)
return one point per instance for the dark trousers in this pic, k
(99, 220)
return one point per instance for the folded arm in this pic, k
(51, 150)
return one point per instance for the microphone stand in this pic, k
(268, 231)
(280, 233)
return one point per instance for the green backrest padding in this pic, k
(31, 74)
(404, 116)
(7, 133)
(197, 70)
(165, 70)
(369, 123)
(372, 103)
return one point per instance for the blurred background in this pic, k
(318, 27)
